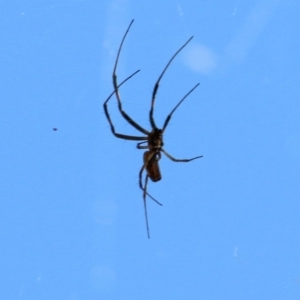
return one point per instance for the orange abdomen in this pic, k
(151, 160)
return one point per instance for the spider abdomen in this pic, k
(151, 165)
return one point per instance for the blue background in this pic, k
(71, 219)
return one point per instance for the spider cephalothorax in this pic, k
(151, 140)
(155, 139)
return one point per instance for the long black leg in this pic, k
(116, 87)
(170, 115)
(144, 189)
(139, 145)
(145, 205)
(119, 135)
(179, 160)
(157, 85)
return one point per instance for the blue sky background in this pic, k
(71, 219)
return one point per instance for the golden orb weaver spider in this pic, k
(153, 138)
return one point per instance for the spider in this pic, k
(151, 140)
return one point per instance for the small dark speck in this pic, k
(54, 129)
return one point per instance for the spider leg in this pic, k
(116, 88)
(145, 193)
(139, 145)
(105, 103)
(170, 115)
(152, 122)
(119, 135)
(179, 160)
(145, 205)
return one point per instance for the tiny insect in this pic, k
(151, 140)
